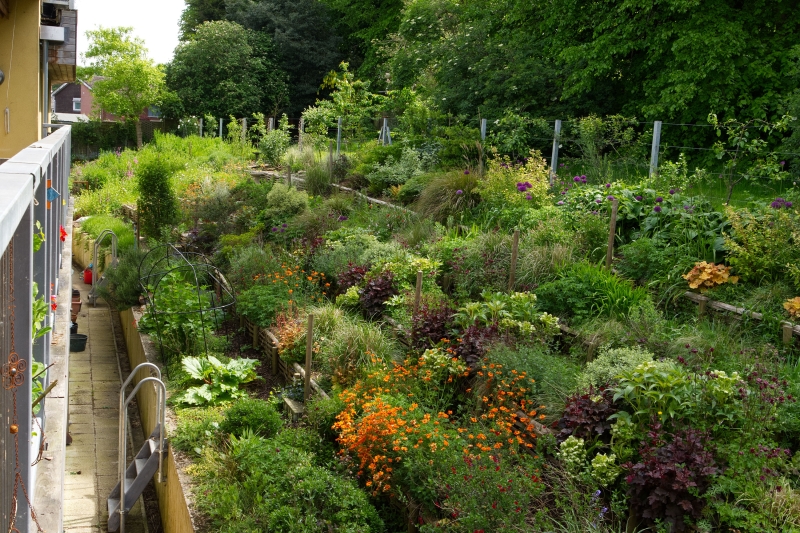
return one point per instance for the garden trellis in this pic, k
(213, 294)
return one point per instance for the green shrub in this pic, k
(197, 428)
(585, 290)
(263, 485)
(762, 244)
(248, 265)
(351, 348)
(448, 195)
(321, 415)
(318, 179)
(609, 364)
(251, 414)
(157, 205)
(122, 289)
(260, 303)
(285, 201)
(554, 375)
(95, 225)
(507, 184)
(393, 173)
(274, 144)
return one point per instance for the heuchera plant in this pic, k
(705, 276)
(587, 415)
(351, 277)
(430, 325)
(376, 293)
(669, 480)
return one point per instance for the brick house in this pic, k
(72, 102)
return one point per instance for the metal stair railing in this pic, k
(158, 433)
(95, 281)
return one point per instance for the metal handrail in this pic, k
(123, 449)
(96, 282)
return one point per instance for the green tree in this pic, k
(225, 69)
(306, 44)
(157, 204)
(198, 12)
(126, 81)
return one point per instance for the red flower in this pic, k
(53, 304)
(63, 233)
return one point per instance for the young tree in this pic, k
(126, 81)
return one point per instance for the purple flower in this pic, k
(638, 198)
(783, 163)
(657, 209)
(563, 192)
(528, 196)
(561, 165)
(342, 218)
(284, 225)
(283, 229)
(583, 178)
(274, 229)
(576, 179)
(659, 199)
(528, 185)
(466, 172)
(561, 202)
(609, 197)
(608, 185)
(459, 192)
(521, 188)
(599, 201)
(788, 204)
(672, 191)
(687, 207)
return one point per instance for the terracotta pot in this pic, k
(76, 306)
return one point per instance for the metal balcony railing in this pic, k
(34, 197)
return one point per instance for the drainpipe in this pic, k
(46, 88)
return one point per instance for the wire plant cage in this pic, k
(202, 296)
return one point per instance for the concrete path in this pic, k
(91, 463)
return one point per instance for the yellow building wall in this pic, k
(20, 61)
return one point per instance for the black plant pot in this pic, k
(73, 329)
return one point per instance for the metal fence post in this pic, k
(338, 136)
(220, 128)
(655, 148)
(244, 129)
(271, 124)
(200, 124)
(300, 132)
(483, 129)
(554, 158)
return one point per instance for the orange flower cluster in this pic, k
(289, 329)
(381, 423)
(504, 410)
(296, 279)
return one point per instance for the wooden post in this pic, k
(244, 129)
(300, 132)
(274, 352)
(514, 252)
(309, 348)
(418, 295)
(289, 175)
(255, 335)
(612, 232)
(788, 331)
(701, 307)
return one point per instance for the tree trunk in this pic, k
(139, 134)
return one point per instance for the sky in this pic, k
(155, 21)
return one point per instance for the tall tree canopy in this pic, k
(126, 82)
(198, 12)
(225, 69)
(305, 41)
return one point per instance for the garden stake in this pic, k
(309, 347)
(612, 230)
(554, 158)
(654, 149)
(418, 295)
(514, 251)
(220, 128)
(338, 136)
(288, 175)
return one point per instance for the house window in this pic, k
(76, 104)
(153, 112)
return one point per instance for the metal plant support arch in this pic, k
(165, 259)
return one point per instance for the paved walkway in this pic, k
(91, 463)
